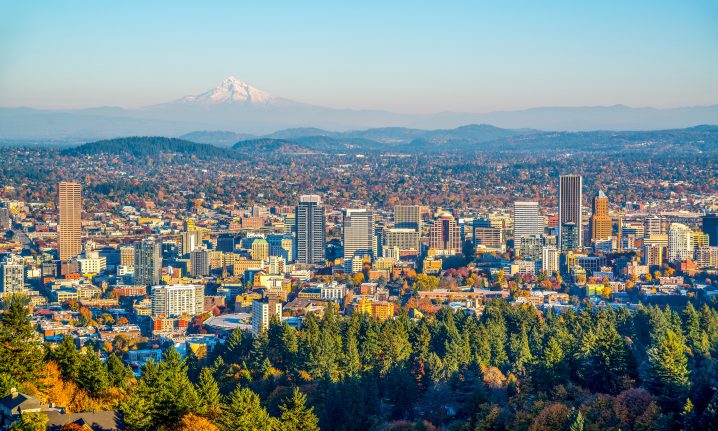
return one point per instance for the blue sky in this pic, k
(402, 56)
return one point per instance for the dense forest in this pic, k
(512, 368)
(149, 146)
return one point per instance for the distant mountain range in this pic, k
(245, 111)
(484, 138)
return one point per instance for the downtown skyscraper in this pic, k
(148, 262)
(310, 228)
(407, 217)
(570, 193)
(601, 224)
(527, 219)
(359, 240)
(70, 228)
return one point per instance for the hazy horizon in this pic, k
(399, 57)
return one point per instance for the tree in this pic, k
(118, 373)
(30, 422)
(553, 417)
(577, 424)
(92, 375)
(604, 360)
(296, 416)
(668, 368)
(426, 282)
(242, 411)
(175, 395)
(66, 356)
(20, 355)
(162, 396)
(235, 347)
(137, 413)
(208, 392)
(192, 422)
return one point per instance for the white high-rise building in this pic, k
(262, 312)
(191, 241)
(527, 219)
(177, 299)
(12, 276)
(359, 240)
(549, 261)
(679, 242)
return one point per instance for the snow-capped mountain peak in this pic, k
(231, 91)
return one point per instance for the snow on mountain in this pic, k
(235, 91)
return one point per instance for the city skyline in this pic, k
(395, 216)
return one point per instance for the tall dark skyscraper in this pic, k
(310, 229)
(148, 262)
(569, 209)
(710, 226)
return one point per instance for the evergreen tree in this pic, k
(668, 374)
(137, 413)
(296, 416)
(118, 373)
(20, 355)
(394, 347)
(604, 359)
(175, 394)
(92, 374)
(520, 352)
(164, 395)
(578, 422)
(67, 358)
(242, 411)
(551, 366)
(235, 347)
(351, 361)
(208, 393)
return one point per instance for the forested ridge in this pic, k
(513, 368)
(148, 146)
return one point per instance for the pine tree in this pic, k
(175, 394)
(578, 423)
(20, 355)
(668, 368)
(351, 362)
(137, 413)
(235, 347)
(208, 393)
(242, 411)
(66, 356)
(92, 375)
(520, 352)
(296, 416)
(604, 360)
(394, 346)
(118, 373)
